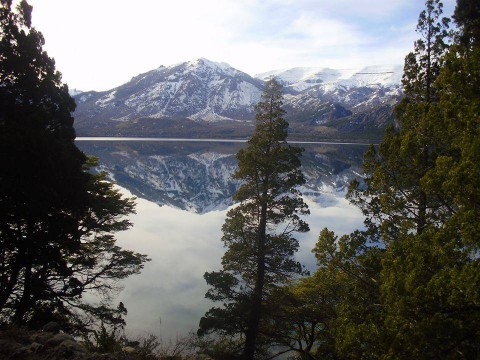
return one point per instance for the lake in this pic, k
(184, 189)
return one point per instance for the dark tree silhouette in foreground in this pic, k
(57, 220)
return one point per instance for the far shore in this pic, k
(293, 141)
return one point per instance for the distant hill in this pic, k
(203, 98)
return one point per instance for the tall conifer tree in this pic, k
(427, 214)
(394, 200)
(430, 280)
(258, 231)
(415, 296)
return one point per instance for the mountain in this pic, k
(303, 78)
(340, 103)
(203, 98)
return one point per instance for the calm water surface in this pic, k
(183, 191)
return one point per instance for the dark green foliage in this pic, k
(258, 231)
(467, 17)
(111, 339)
(430, 291)
(336, 313)
(355, 263)
(104, 340)
(57, 219)
(430, 279)
(219, 347)
(393, 200)
(407, 287)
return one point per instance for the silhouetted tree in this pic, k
(258, 231)
(57, 220)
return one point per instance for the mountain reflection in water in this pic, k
(197, 176)
(167, 298)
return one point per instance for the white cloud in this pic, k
(102, 44)
(324, 32)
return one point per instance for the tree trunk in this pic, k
(24, 303)
(25, 300)
(256, 305)
(8, 283)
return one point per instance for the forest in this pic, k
(406, 286)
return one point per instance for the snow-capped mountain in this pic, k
(206, 98)
(199, 90)
(302, 78)
(352, 101)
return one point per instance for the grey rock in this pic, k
(58, 339)
(128, 349)
(52, 326)
(8, 346)
(73, 346)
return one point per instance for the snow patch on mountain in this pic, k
(208, 115)
(215, 66)
(107, 99)
(302, 78)
(84, 98)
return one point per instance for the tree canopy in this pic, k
(57, 219)
(407, 286)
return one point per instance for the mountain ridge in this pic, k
(204, 98)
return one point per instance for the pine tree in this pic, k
(336, 313)
(429, 280)
(258, 231)
(393, 199)
(421, 200)
(411, 279)
(57, 220)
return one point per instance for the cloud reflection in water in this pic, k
(183, 246)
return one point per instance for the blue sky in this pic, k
(98, 45)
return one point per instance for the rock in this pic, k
(58, 339)
(73, 345)
(39, 345)
(128, 349)
(68, 349)
(8, 346)
(41, 337)
(52, 326)
(35, 347)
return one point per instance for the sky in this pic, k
(98, 45)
